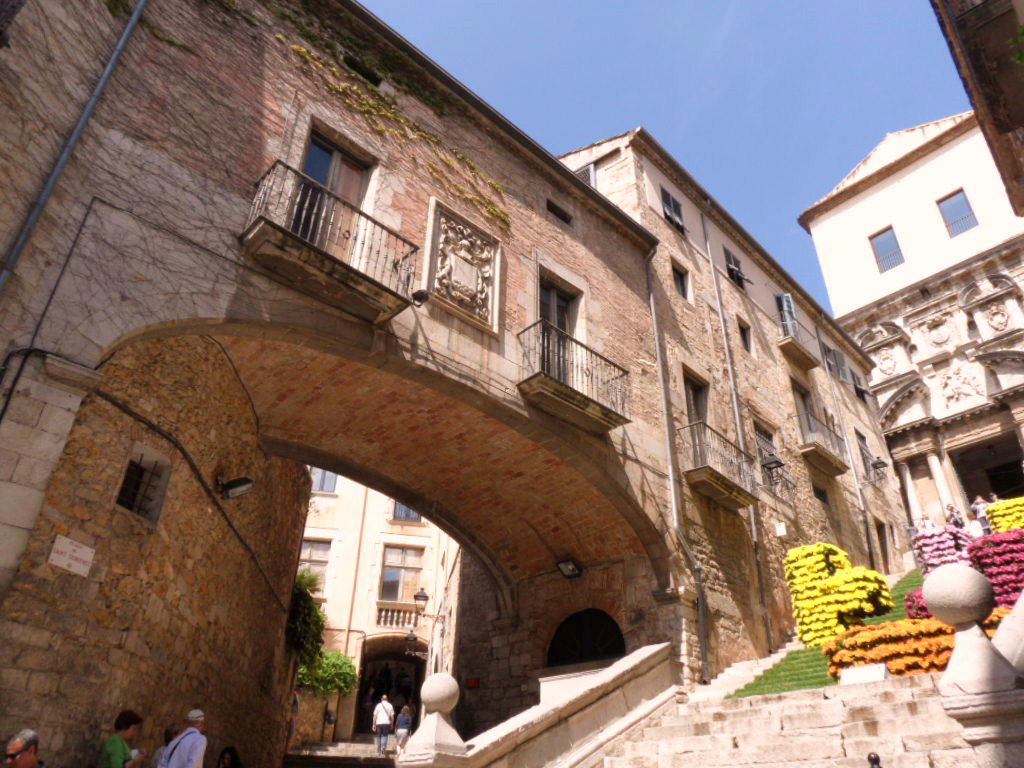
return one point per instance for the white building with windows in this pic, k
(373, 555)
(922, 257)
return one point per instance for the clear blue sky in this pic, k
(767, 104)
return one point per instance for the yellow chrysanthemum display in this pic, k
(829, 594)
(1006, 515)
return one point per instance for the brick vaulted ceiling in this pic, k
(521, 504)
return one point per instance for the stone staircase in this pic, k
(900, 719)
(739, 674)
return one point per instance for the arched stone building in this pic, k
(287, 237)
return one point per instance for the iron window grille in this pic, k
(404, 514)
(142, 486)
(957, 213)
(887, 249)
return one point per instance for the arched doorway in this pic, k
(386, 668)
(586, 636)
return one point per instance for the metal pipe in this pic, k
(355, 574)
(39, 205)
(673, 480)
(741, 440)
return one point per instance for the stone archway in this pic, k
(590, 635)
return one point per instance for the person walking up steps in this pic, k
(383, 717)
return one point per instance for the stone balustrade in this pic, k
(983, 686)
(564, 730)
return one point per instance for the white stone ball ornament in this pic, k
(440, 693)
(957, 594)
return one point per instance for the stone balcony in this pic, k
(397, 615)
(798, 344)
(568, 379)
(321, 245)
(822, 447)
(715, 467)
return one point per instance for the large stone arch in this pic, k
(189, 288)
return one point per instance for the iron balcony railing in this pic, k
(814, 430)
(310, 211)
(706, 447)
(961, 225)
(797, 331)
(549, 350)
(887, 261)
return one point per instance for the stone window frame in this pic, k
(402, 545)
(147, 500)
(435, 210)
(746, 335)
(320, 594)
(681, 274)
(341, 142)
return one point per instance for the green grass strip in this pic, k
(807, 668)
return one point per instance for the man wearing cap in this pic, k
(187, 749)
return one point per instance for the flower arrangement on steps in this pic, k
(906, 647)
(915, 605)
(940, 546)
(1000, 557)
(1006, 515)
(829, 594)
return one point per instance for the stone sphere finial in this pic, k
(958, 594)
(440, 693)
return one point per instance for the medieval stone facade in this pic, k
(371, 271)
(940, 315)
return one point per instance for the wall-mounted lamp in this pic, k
(879, 464)
(232, 489)
(421, 599)
(771, 462)
(419, 297)
(411, 641)
(570, 568)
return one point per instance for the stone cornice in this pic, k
(923, 422)
(969, 413)
(886, 306)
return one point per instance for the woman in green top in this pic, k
(116, 752)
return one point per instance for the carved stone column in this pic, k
(939, 478)
(913, 503)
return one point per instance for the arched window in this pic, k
(588, 635)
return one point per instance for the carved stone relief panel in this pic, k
(886, 361)
(959, 384)
(938, 331)
(996, 316)
(466, 262)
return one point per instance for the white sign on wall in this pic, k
(71, 556)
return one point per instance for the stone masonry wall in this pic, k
(174, 614)
(506, 657)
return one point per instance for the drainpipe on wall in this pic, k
(355, 575)
(673, 480)
(738, 419)
(29, 225)
(849, 450)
